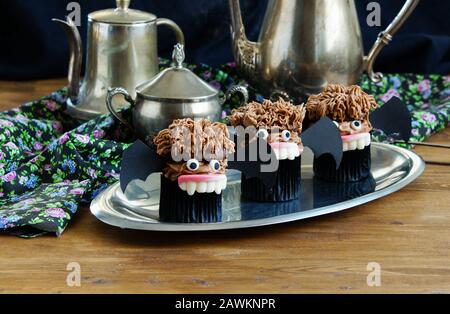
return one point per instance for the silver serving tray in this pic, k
(392, 169)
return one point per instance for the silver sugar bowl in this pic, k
(174, 93)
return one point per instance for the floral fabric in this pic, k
(427, 98)
(50, 164)
(45, 172)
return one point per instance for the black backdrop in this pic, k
(34, 47)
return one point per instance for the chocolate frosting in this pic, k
(200, 139)
(342, 104)
(280, 115)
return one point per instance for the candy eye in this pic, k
(336, 123)
(356, 125)
(286, 135)
(214, 165)
(262, 133)
(192, 164)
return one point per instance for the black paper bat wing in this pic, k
(393, 117)
(323, 137)
(255, 159)
(138, 162)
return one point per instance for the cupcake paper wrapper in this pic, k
(286, 187)
(177, 206)
(328, 192)
(355, 166)
(265, 210)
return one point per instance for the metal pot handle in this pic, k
(172, 25)
(113, 91)
(237, 89)
(276, 95)
(385, 37)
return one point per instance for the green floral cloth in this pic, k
(427, 98)
(49, 164)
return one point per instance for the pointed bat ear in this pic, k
(323, 137)
(393, 117)
(138, 162)
(255, 159)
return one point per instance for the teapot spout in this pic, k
(76, 57)
(246, 52)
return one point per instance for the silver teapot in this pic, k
(306, 44)
(121, 51)
(175, 93)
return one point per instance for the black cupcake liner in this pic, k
(286, 187)
(328, 192)
(176, 205)
(254, 210)
(355, 166)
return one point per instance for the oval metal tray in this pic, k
(137, 208)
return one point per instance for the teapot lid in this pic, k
(121, 15)
(177, 83)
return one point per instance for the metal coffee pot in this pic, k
(121, 51)
(306, 44)
(174, 93)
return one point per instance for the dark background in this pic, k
(34, 47)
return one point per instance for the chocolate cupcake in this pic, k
(194, 177)
(280, 124)
(349, 108)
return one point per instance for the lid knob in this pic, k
(178, 55)
(123, 4)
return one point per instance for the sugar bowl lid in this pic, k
(177, 83)
(121, 15)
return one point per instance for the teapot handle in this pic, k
(176, 29)
(385, 37)
(113, 91)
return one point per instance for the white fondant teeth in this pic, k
(359, 143)
(204, 187)
(291, 155)
(201, 187)
(210, 187)
(352, 145)
(191, 187)
(290, 152)
(218, 188)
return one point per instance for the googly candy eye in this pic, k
(214, 165)
(286, 135)
(262, 133)
(356, 125)
(192, 164)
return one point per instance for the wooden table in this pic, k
(406, 233)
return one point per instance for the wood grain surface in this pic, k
(406, 233)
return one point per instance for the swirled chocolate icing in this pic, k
(280, 115)
(200, 139)
(342, 104)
